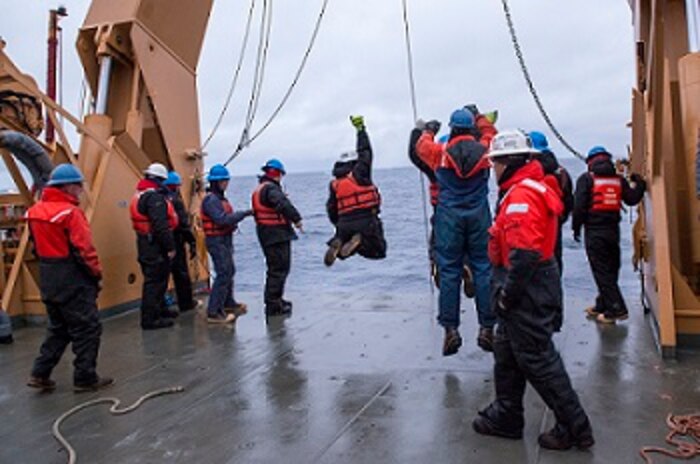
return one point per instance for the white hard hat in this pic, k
(348, 156)
(511, 142)
(157, 170)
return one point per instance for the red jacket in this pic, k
(266, 215)
(527, 217)
(58, 224)
(435, 155)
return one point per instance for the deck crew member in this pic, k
(354, 202)
(552, 168)
(598, 200)
(154, 220)
(462, 218)
(219, 221)
(274, 216)
(70, 275)
(527, 298)
(182, 235)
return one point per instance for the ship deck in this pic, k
(348, 378)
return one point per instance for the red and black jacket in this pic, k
(153, 215)
(61, 231)
(351, 196)
(600, 194)
(524, 232)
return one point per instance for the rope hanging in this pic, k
(249, 139)
(414, 106)
(234, 80)
(531, 85)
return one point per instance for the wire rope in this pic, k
(530, 84)
(290, 89)
(414, 106)
(234, 79)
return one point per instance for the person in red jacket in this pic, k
(70, 275)
(527, 299)
(154, 220)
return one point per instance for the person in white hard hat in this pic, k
(154, 219)
(525, 283)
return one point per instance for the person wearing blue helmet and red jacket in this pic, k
(69, 280)
(274, 216)
(182, 235)
(154, 220)
(219, 221)
(354, 202)
(462, 218)
(598, 200)
(526, 289)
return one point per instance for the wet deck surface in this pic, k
(344, 380)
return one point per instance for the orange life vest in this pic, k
(352, 196)
(266, 215)
(212, 229)
(141, 223)
(606, 194)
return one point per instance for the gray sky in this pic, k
(580, 54)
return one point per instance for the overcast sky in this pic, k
(580, 54)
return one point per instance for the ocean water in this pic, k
(405, 270)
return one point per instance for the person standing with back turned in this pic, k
(274, 215)
(69, 276)
(598, 200)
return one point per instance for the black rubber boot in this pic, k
(99, 384)
(486, 426)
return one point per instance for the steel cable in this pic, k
(414, 106)
(531, 85)
(288, 93)
(234, 80)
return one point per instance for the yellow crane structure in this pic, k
(665, 147)
(140, 59)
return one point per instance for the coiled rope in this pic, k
(531, 85)
(687, 426)
(414, 106)
(114, 410)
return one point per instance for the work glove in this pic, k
(639, 180)
(433, 126)
(501, 307)
(472, 109)
(358, 122)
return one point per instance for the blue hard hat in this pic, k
(274, 164)
(65, 174)
(218, 172)
(173, 179)
(462, 118)
(539, 141)
(597, 150)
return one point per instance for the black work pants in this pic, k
(71, 305)
(278, 257)
(603, 251)
(373, 245)
(155, 267)
(181, 276)
(524, 352)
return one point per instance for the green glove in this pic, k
(358, 122)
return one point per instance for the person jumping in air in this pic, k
(353, 204)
